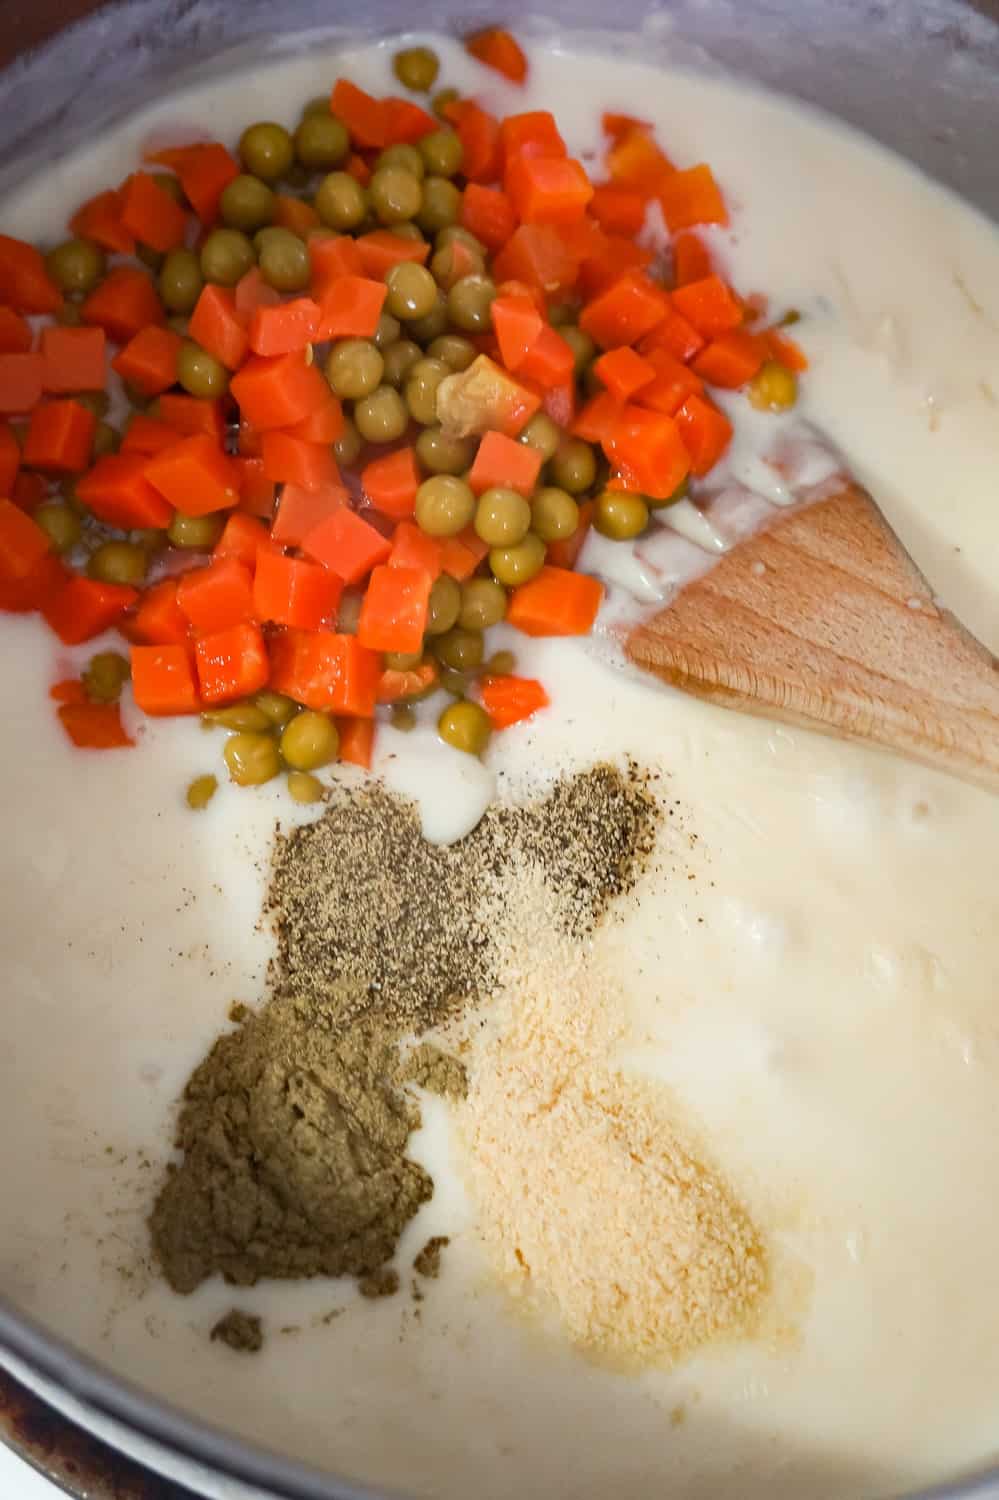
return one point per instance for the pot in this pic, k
(920, 78)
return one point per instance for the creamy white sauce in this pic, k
(813, 974)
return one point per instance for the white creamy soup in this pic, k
(809, 972)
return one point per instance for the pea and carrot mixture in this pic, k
(384, 372)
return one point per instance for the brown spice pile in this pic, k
(294, 1127)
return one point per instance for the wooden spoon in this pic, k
(822, 619)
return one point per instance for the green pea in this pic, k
(180, 281)
(412, 291)
(444, 606)
(309, 740)
(442, 454)
(502, 517)
(425, 330)
(277, 708)
(451, 264)
(266, 150)
(321, 141)
(454, 351)
(76, 266)
(445, 505)
(199, 533)
(106, 439)
(199, 372)
(118, 562)
(406, 157)
(388, 330)
(470, 302)
(442, 101)
(582, 346)
(399, 359)
(304, 787)
(60, 524)
(226, 255)
(457, 234)
(99, 402)
(243, 716)
(201, 791)
(563, 314)
(515, 565)
(340, 201)
(574, 466)
(354, 369)
(246, 203)
(465, 726)
(152, 259)
(440, 204)
(319, 104)
(402, 718)
(106, 675)
(251, 759)
(381, 417)
(774, 388)
(542, 434)
(284, 261)
(483, 603)
(554, 514)
(461, 650)
(501, 664)
(416, 68)
(442, 153)
(420, 389)
(347, 447)
(409, 231)
(620, 515)
(402, 661)
(395, 194)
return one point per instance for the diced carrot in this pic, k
(404, 122)
(292, 591)
(395, 685)
(647, 452)
(674, 382)
(117, 491)
(350, 308)
(785, 350)
(619, 210)
(163, 679)
(597, 418)
(559, 402)
(616, 125)
(279, 392)
(478, 132)
(94, 726)
(691, 197)
(510, 700)
(332, 256)
(99, 219)
(150, 214)
(294, 214)
(195, 476)
(256, 494)
(708, 305)
(498, 49)
(324, 425)
(363, 116)
(394, 611)
(346, 544)
(84, 607)
(412, 548)
(291, 460)
(10, 459)
(355, 166)
(731, 360)
(286, 328)
(252, 291)
(23, 543)
(25, 284)
(691, 261)
(547, 189)
(193, 414)
(242, 538)
(73, 359)
(147, 435)
(15, 334)
(623, 372)
(537, 254)
(674, 335)
(635, 161)
(28, 491)
(231, 663)
(123, 304)
(69, 690)
(357, 738)
(461, 554)
(488, 214)
(219, 327)
(20, 383)
(625, 311)
(550, 361)
(326, 671)
(706, 433)
(517, 324)
(149, 360)
(301, 511)
(565, 553)
(380, 250)
(555, 602)
(36, 589)
(158, 620)
(503, 461)
(205, 173)
(391, 482)
(607, 262)
(217, 596)
(60, 438)
(530, 133)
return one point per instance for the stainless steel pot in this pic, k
(922, 78)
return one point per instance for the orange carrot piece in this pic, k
(252, 291)
(25, 284)
(123, 304)
(623, 372)
(158, 620)
(461, 554)
(635, 161)
(10, 460)
(20, 383)
(502, 461)
(149, 360)
(150, 214)
(629, 308)
(565, 554)
(555, 602)
(218, 326)
(117, 491)
(596, 419)
(550, 361)
(23, 543)
(324, 670)
(15, 333)
(498, 49)
(731, 360)
(37, 588)
(60, 438)
(518, 325)
(355, 166)
(195, 476)
(357, 738)
(231, 663)
(706, 433)
(674, 335)
(301, 511)
(241, 539)
(292, 591)
(347, 545)
(510, 700)
(192, 415)
(350, 308)
(708, 305)
(163, 679)
(785, 350)
(324, 425)
(74, 359)
(647, 452)
(380, 250)
(607, 261)
(147, 435)
(69, 690)
(618, 125)
(205, 173)
(83, 608)
(391, 482)
(619, 210)
(363, 116)
(332, 256)
(489, 214)
(284, 329)
(99, 220)
(279, 392)
(292, 213)
(396, 685)
(216, 596)
(479, 133)
(394, 611)
(547, 189)
(536, 253)
(674, 382)
(691, 261)
(291, 460)
(404, 122)
(530, 133)
(94, 726)
(691, 197)
(256, 494)
(412, 548)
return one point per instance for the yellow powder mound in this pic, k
(590, 1200)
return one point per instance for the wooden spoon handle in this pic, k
(822, 619)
